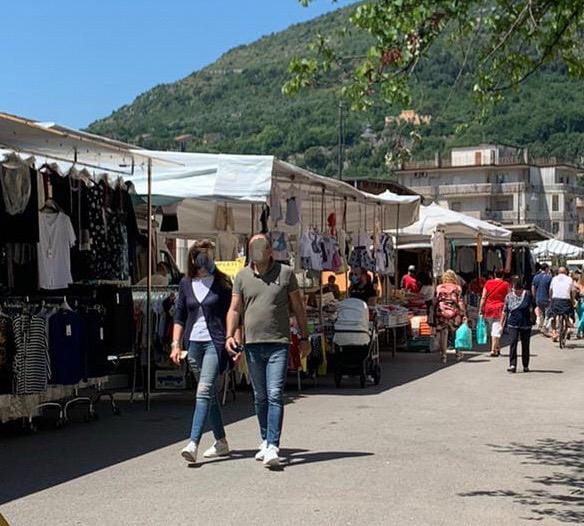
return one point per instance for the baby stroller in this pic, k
(356, 343)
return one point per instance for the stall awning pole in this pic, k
(397, 283)
(149, 290)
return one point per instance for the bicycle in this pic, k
(563, 329)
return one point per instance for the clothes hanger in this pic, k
(51, 207)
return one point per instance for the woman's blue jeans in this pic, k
(204, 362)
(268, 366)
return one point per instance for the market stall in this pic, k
(554, 249)
(87, 180)
(438, 240)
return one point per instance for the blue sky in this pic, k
(74, 61)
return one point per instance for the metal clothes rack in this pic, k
(26, 303)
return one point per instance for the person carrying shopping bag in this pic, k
(491, 308)
(449, 311)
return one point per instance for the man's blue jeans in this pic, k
(204, 362)
(268, 366)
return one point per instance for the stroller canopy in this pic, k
(352, 325)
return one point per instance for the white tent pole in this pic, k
(149, 288)
(397, 284)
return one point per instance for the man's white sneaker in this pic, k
(261, 451)
(271, 457)
(219, 449)
(189, 453)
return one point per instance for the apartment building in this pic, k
(502, 184)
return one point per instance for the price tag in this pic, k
(118, 298)
(68, 331)
(101, 336)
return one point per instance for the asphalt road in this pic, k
(463, 444)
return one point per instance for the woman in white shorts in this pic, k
(492, 303)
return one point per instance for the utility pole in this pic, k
(341, 140)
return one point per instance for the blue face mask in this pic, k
(204, 261)
(354, 279)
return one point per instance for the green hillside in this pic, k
(235, 106)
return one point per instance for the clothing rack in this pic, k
(67, 395)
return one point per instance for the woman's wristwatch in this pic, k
(175, 345)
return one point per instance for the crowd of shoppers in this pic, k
(216, 321)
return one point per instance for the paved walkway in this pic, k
(467, 444)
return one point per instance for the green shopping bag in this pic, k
(481, 331)
(463, 338)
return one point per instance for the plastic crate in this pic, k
(420, 343)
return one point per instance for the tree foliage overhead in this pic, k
(502, 43)
(236, 105)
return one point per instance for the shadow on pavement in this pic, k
(404, 368)
(289, 457)
(559, 496)
(32, 463)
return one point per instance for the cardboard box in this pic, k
(172, 379)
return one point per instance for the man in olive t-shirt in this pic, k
(265, 293)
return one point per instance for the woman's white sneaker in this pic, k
(189, 453)
(261, 451)
(219, 449)
(271, 457)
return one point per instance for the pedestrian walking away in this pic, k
(199, 327)
(540, 290)
(563, 295)
(491, 307)
(518, 318)
(265, 293)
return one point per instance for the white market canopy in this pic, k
(200, 180)
(454, 224)
(556, 248)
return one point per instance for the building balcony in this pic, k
(501, 161)
(506, 216)
(469, 190)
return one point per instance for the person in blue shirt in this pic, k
(540, 288)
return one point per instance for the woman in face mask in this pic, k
(199, 327)
(361, 286)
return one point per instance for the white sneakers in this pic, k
(271, 457)
(261, 451)
(189, 453)
(219, 449)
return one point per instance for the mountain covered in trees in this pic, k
(236, 105)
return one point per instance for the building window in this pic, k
(456, 206)
(555, 203)
(555, 227)
(502, 205)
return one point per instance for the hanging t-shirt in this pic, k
(280, 246)
(466, 260)
(56, 238)
(200, 331)
(227, 246)
(438, 242)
